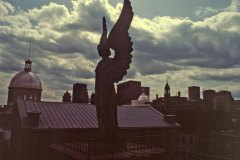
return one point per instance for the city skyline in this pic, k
(196, 43)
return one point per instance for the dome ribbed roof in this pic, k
(26, 79)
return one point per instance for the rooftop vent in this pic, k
(33, 117)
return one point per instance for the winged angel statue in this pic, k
(111, 70)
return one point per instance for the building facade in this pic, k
(46, 130)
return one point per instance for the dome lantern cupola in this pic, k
(28, 65)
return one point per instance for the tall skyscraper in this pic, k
(194, 93)
(130, 90)
(80, 94)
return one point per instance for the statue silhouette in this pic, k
(111, 70)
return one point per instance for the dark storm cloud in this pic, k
(213, 43)
(75, 26)
(220, 77)
(161, 50)
(7, 65)
(11, 53)
(86, 17)
(89, 17)
(29, 4)
(151, 67)
(85, 74)
(69, 44)
(131, 73)
(64, 73)
(92, 14)
(3, 97)
(64, 81)
(236, 94)
(183, 45)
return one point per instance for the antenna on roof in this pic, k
(30, 41)
(29, 52)
(167, 79)
(28, 63)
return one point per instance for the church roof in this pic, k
(58, 115)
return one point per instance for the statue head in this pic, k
(103, 51)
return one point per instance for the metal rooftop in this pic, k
(58, 115)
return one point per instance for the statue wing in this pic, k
(120, 41)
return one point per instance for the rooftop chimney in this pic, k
(33, 117)
(179, 94)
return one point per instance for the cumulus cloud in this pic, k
(224, 75)
(205, 12)
(6, 8)
(234, 5)
(64, 41)
(50, 16)
(185, 42)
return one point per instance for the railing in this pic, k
(206, 149)
(187, 155)
(96, 148)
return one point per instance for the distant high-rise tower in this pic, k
(223, 101)
(208, 99)
(130, 90)
(80, 94)
(194, 93)
(66, 97)
(167, 91)
(25, 85)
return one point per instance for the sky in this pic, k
(187, 42)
